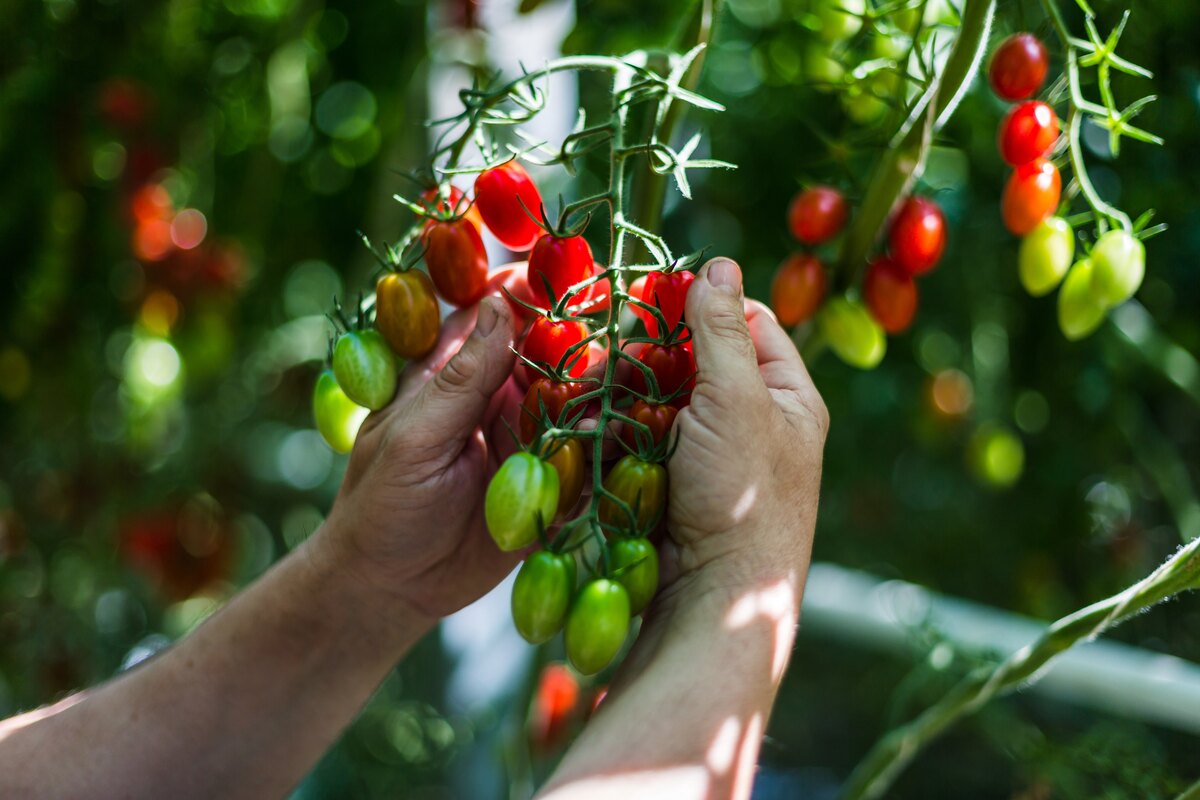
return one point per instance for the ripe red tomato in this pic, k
(817, 214)
(674, 368)
(1031, 195)
(554, 395)
(547, 342)
(499, 195)
(406, 313)
(667, 290)
(1018, 67)
(455, 204)
(561, 262)
(891, 295)
(918, 235)
(457, 261)
(555, 703)
(798, 289)
(637, 289)
(658, 418)
(1028, 132)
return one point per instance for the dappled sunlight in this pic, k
(724, 746)
(777, 604)
(742, 507)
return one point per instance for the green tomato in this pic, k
(522, 489)
(996, 456)
(822, 70)
(642, 485)
(864, 103)
(338, 417)
(1046, 255)
(597, 625)
(1119, 264)
(894, 48)
(640, 578)
(1079, 310)
(853, 333)
(541, 595)
(365, 368)
(839, 19)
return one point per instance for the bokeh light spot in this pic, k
(952, 393)
(15, 373)
(188, 228)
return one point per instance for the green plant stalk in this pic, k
(875, 774)
(1190, 793)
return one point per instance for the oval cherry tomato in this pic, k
(524, 488)
(891, 294)
(563, 262)
(1079, 310)
(1118, 266)
(555, 704)
(546, 344)
(365, 368)
(1028, 132)
(852, 333)
(1046, 255)
(597, 625)
(637, 289)
(457, 261)
(658, 418)
(554, 395)
(668, 291)
(499, 195)
(674, 369)
(454, 204)
(566, 456)
(641, 485)
(1018, 67)
(406, 313)
(798, 289)
(640, 578)
(918, 235)
(338, 417)
(541, 595)
(1031, 194)
(817, 214)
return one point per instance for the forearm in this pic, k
(241, 708)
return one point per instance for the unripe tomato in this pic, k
(563, 262)
(541, 595)
(1031, 194)
(668, 291)
(1118, 266)
(338, 417)
(499, 195)
(641, 485)
(566, 456)
(554, 395)
(457, 261)
(597, 625)
(548, 341)
(996, 456)
(1018, 67)
(641, 580)
(555, 703)
(1046, 255)
(852, 333)
(918, 235)
(817, 214)
(674, 368)
(891, 294)
(365, 368)
(1079, 310)
(524, 488)
(406, 313)
(866, 102)
(821, 70)
(453, 205)
(1028, 132)
(798, 289)
(839, 19)
(658, 418)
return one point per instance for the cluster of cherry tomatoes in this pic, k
(1029, 134)
(855, 329)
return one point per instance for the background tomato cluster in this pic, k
(183, 183)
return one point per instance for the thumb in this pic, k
(721, 340)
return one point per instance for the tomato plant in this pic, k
(1031, 195)
(338, 418)
(551, 394)
(597, 625)
(668, 292)
(918, 235)
(365, 368)
(642, 487)
(817, 214)
(541, 594)
(547, 344)
(560, 262)
(798, 289)
(452, 204)
(1018, 68)
(457, 261)
(658, 418)
(1028, 133)
(674, 370)
(635, 565)
(506, 197)
(891, 295)
(406, 313)
(522, 495)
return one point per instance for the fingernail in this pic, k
(485, 321)
(724, 274)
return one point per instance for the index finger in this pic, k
(778, 359)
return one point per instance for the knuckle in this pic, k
(459, 373)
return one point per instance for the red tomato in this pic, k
(1028, 132)
(599, 296)
(561, 262)
(1031, 195)
(658, 418)
(817, 214)
(798, 289)
(455, 204)
(637, 289)
(674, 368)
(668, 291)
(554, 395)
(457, 261)
(1018, 67)
(554, 705)
(918, 235)
(499, 195)
(547, 342)
(891, 295)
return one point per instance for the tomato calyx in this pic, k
(647, 429)
(555, 348)
(551, 404)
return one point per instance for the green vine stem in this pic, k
(1190, 793)
(895, 751)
